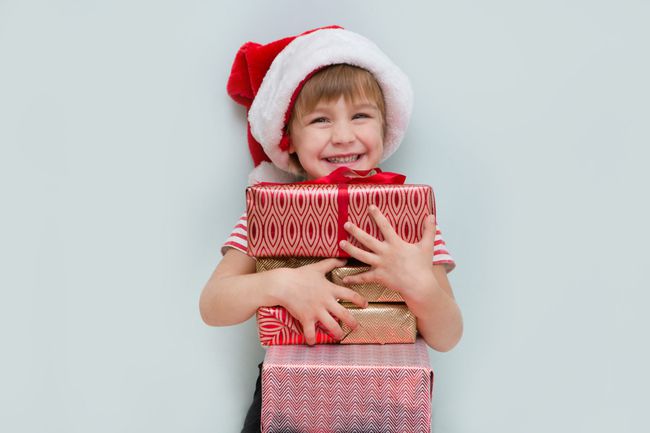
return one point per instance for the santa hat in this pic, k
(266, 79)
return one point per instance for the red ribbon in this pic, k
(343, 177)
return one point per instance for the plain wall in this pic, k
(123, 166)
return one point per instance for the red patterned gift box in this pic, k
(379, 323)
(331, 389)
(306, 219)
(276, 326)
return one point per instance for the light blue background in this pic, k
(123, 165)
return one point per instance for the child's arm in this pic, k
(234, 292)
(408, 269)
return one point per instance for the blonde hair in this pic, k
(328, 85)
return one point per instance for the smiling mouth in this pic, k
(343, 159)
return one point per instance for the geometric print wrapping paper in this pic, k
(373, 292)
(306, 220)
(269, 263)
(379, 323)
(344, 389)
(276, 326)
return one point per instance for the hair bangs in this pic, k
(330, 83)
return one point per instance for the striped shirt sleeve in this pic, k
(238, 240)
(441, 254)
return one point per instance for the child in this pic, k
(325, 99)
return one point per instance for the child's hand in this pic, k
(395, 263)
(311, 298)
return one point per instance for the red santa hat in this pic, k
(266, 79)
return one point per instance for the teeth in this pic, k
(340, 160)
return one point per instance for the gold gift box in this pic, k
(386, 319)
(266, 264)
(380, 323)
(373, 292)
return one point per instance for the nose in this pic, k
(342, 133)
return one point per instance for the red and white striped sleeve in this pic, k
(441, 254)
(238, 240)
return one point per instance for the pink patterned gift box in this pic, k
(356, 388)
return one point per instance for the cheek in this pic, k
(373, 138)
(308, 154)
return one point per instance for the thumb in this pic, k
(429, 231)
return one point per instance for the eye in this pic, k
(361, 116)
(319, 120)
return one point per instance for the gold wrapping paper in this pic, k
(373, 292)
(266, 264)
(380, 324)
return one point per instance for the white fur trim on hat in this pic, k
(312, 51)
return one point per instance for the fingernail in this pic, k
(342, 244)
(372, 207)
(347, 225)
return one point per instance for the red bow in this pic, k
(344, 175)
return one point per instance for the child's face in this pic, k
(338, 134)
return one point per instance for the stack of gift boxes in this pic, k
(377, 377)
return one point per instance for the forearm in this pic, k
(234, 299)
(439, 319)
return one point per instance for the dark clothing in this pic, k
(252, 421)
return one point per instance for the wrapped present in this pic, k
(373, 292)
(359, 388)
(266, 264)
(378, 324)
(306, 219)
(277, 327)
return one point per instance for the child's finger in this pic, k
(362, 278)
(331, 325)
(382, 222)
(429, 231)
(344, 316)
(359, 254)
(366, 240)
(326, 265)
(309, 331)
(350, 295)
